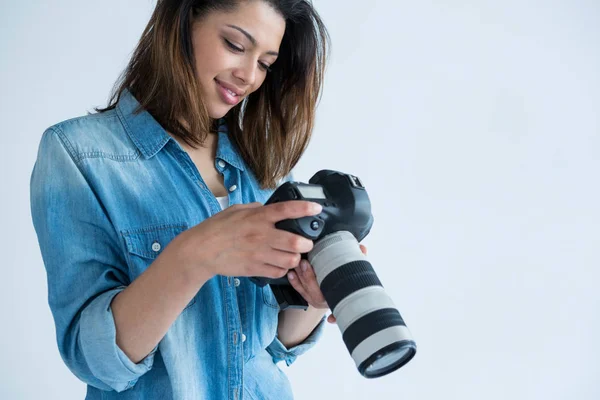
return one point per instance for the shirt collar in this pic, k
(226, 150)
(150, 137)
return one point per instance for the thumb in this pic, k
(363, 249)
(253, 204)
(248, 205)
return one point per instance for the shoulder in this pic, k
(99, 135)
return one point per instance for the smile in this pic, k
(227, 96)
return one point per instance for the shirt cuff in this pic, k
(97, 339)
(279, 352)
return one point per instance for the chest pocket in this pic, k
(145, 244)
(268, 297)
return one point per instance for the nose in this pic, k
(246, 72)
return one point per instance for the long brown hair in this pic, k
(272, 127)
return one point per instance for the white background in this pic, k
(475, 127)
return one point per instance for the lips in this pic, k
(228, 94)
(234, 89)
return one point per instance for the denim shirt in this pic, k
(109, 192)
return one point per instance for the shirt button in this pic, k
(221, 163)
(156, 247)
(243, 338)
(236, 282)
(232, 188)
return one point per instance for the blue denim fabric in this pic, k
(108, 192)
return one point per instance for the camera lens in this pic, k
(388, 359)
(372, 328)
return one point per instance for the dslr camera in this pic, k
(372, 328)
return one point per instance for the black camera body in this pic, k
(346, 207)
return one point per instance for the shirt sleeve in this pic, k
(84, 264)
(279, 352)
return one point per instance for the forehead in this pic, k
(257, 18)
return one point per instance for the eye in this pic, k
(233, 46)
(236, 49)
(265, 67)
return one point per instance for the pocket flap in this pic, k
(149, 242)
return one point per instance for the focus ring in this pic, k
(348, 279)
(370, 324)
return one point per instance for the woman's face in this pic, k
(233, 51)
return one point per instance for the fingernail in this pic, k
(303, 266)
(291, 276)
(317, 208)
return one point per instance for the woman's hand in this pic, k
(242, 240)
(304, 281)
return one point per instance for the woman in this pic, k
(147, 278)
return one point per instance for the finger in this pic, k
(309, 282)
(290, 210)
(331, 319)
(296, 284)
(268, 271)
(363, 249)
(278, 258)
(291, 242)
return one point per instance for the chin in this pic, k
(218, 112)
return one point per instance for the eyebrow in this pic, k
(251, 39)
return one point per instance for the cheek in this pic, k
(259, 83)
(206, 66)
(211, 61)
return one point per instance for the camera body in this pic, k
(346, 207)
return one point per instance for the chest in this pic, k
(205, 164)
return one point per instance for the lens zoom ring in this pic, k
(327, 241)
(346, 280)
(370, 324)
